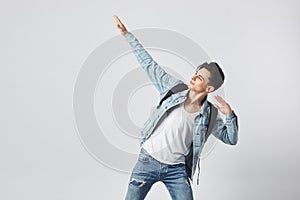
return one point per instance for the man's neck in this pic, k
(194, 100)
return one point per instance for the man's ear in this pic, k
(210, 89)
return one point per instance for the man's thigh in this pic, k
(178, 184)
(143, 176)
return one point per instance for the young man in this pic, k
(174, 135)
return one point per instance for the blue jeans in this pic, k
(148, 171)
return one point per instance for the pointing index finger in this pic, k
(117, 18)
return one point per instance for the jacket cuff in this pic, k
(129, 36)
(230, 116)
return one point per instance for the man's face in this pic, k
(200, 80)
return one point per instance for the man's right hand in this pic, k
(120, 25)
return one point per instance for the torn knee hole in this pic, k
(137, 182)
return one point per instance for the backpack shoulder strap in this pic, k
(212, 120)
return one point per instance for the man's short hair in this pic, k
(217, 76)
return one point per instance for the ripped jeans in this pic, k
(148, 171)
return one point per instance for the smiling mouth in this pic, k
(191, 83)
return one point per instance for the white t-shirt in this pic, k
(171, 140)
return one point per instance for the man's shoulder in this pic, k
(178, 87)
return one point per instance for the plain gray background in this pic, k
(44, 44)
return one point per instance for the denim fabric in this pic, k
(226, 132)
(148, 171)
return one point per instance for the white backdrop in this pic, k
(45, 43)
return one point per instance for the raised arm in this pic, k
(161, 80)
(228, 131)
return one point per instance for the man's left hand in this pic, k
(224, 108)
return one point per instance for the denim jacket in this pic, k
(164, 82)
